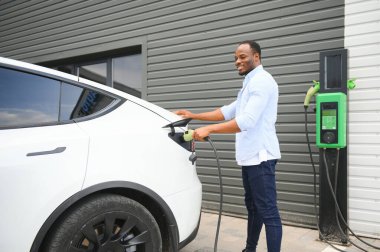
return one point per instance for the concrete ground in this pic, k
(233, 234)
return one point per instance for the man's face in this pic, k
(246, 59)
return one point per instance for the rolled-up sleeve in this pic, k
(257, 102)
(229, 111)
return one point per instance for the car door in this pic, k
(42, 159)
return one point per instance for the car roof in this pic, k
(58, 74)
(55, 73)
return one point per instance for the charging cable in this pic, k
(333, 193)
(315, 186)
(188, 136)
(337, 205)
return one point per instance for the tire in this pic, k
(105, 223)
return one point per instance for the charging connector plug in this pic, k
(311, 92)
(188, 135)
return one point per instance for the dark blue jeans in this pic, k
(260, 199)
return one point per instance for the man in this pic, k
(252, 117)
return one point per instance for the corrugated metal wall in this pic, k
(190, 64)
(362, 39)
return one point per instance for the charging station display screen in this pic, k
(329, 119)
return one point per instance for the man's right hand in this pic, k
(184, 113)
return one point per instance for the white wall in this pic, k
(362, 39)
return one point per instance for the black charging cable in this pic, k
(333, 192)
(220, 193)
(315, 186)
(338, 208)
(188, 136)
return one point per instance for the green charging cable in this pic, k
(188, 136)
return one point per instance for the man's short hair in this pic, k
(254, 46)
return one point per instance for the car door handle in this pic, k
(55, 151)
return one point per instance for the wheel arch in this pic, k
(145, 196)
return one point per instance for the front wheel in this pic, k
(105, 223)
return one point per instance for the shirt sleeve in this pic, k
(259, 94)
(229, 111)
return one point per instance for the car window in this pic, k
(27, 99)
(78, 102)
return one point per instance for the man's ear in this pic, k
(256, 59)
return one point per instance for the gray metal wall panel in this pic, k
(189, 55)
(192, 67)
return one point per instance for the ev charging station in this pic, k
(331, 128)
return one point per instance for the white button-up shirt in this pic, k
(255, 111)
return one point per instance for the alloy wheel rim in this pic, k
(112, 232)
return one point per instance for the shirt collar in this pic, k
(253, 72)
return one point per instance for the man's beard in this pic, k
(246, 72)
(250, 63)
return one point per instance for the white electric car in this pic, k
(84, 167)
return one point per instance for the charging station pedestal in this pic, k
(333, 90)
